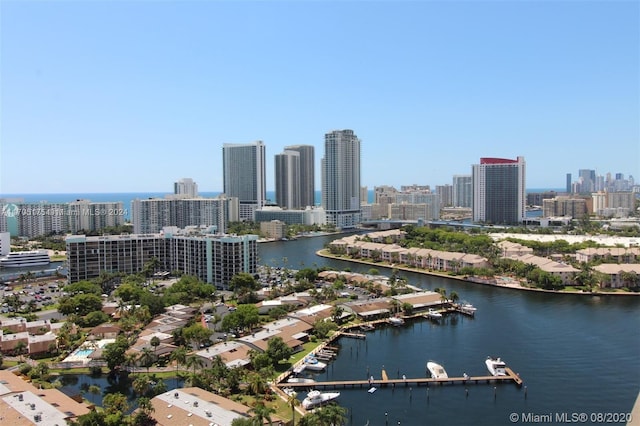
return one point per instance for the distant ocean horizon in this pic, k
(128, 197)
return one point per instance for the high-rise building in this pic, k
(568, 184)
(587, 180)
(445, 193)
(186, 187)
(307, 182)
(287, 166)
(499, 191)
(214, 259)
(244, 176)
(151, 215)
(341, 178)
(462, 193)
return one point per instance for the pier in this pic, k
(511, 377)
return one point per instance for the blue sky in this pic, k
(120, 96)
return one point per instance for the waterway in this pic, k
(576, 354)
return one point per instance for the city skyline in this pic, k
(429, 87)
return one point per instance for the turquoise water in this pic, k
(84, 352)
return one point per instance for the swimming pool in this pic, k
(84, 352)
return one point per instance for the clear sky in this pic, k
(129, 96)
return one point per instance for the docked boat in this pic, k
(433, 314)
(312, 363)
(316, 398)
(367, 327)
(22, 259)
(496, 366)
(467, 308)
(300, 380)
(396, 321)
(437, 371)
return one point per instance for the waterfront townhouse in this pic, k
(564, 271)
(415, 257)
(613, 254)
(619, 275)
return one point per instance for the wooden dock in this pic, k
(386, 382)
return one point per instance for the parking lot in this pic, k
(39, 295)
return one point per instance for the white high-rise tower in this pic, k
(341, 178)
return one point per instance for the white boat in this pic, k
(437, 371)
(468, 308)
(316, 398)
(299, 380)
(496, 366)
(396, 321)
(311, 363)
(433, 314)
(21, 259)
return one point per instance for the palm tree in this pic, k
(336, 314)
(141, 385)
(130, 360)
(261, 413)
(194, 361)
(293, 402)
(179, 356)
(20, 348)
(146, 357)
(257, 384)
(155, 342)
(332, 415)
(454, 297)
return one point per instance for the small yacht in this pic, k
(316, 398)
(467, 308)
(433, 314)
(300, 380)
(396, 321)
(437, 371)
(312, 363)
(496, 366)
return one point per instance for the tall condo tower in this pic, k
(341, 178)
(462, 194)
(244, 176)
(186, 187)
(307, 178)
(288, 180)
(499, 194)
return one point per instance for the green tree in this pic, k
(293, 402)
(155, 342)
(115, 403)
(196, 333)
(146, 358)
(114, 353)
(278, 350)
(261, 413)
(141, 384)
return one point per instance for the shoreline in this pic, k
(324, 253)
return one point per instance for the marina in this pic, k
(546, 339)
(509, 377)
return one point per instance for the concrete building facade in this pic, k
(341, 179)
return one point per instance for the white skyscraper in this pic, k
(244, 176)
(186, 187)
(306, 182)
(341, 178)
